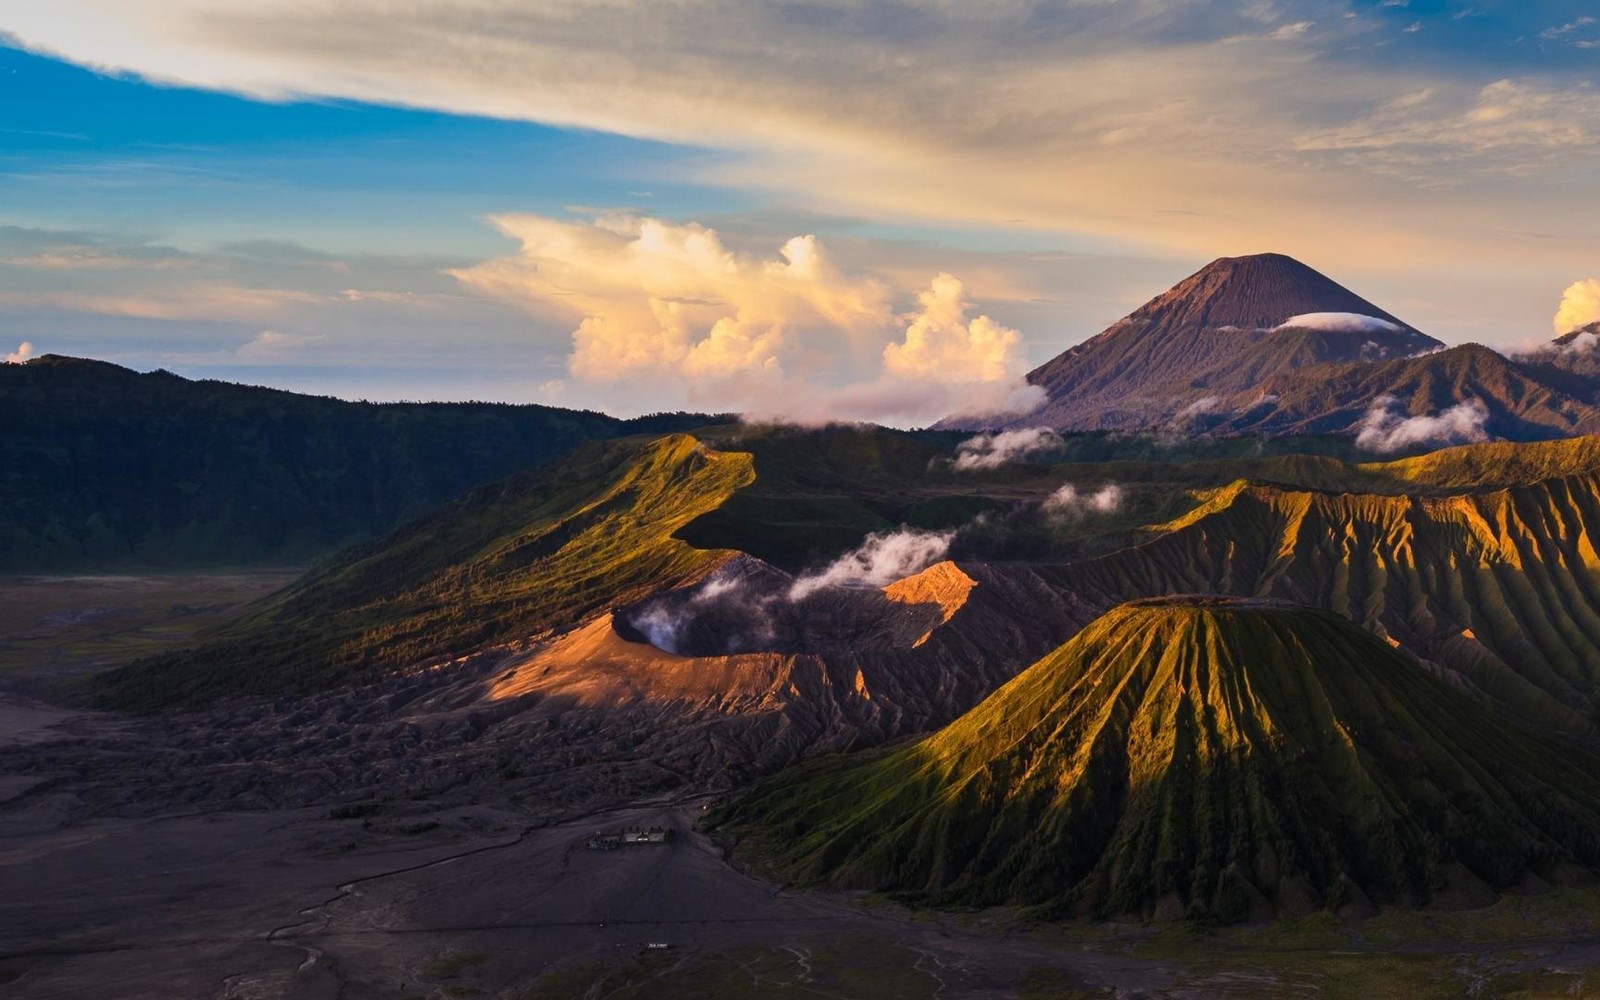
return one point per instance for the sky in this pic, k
(803, 208)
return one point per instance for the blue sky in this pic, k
(411, 199)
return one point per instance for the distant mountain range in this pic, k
(1266, 345)
(107, 467)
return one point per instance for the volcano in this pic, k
(1267, 345)
(1201, 756)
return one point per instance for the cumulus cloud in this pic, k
(663, 297)
(990, 451)
(1580, 306)
(880, 560)
(791, 334)
(1067, 502)
(23, 352)
(942, 345)
(1337, 322)
(1384, 429)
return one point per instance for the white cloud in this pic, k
(791, 335)
(659, 298)
(990, 451)
(1384, 429)
(1507, 125)
(942, 345)
(1067, 503)
(23, 352)
(952, 112)
(1580, 306)
(1205, 404)
(273, 345)
(1336, 322)
(880, 560)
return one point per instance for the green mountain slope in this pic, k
(1479, 466)
(1195, 756)
(521, 557)
(1501, 586)
(106, 467)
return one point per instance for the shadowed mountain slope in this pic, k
(1197, 757)
(1571, 352)
(106, 467)
(1519, 402)
(537, 552)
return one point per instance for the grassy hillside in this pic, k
(536, 552)
(1496, 584)
(1476, 466)
(109, 468)
(1500, 585)
(1194, 757)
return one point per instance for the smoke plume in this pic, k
(882, 559)
(23, 352)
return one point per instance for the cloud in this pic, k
(880, 560)
(1580, 306)
(990, 451)
(660, 297)
(1067, 503)
(789, 334)
(1384, 430)
(272, 345)
(942, 345)
(1261, 129)
(1205, 404)
(1507, 125)
(1337, 322)
(23, 352)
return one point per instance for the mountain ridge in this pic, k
(112, 468)
(1202, 757)
(1267, 345)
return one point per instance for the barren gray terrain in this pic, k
(289, 902)
(425, 836)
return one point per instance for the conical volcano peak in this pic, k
(1261, 291)
(1212, 351)
(1200, 756)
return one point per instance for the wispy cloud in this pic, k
(1386, 429)
(1069, 503)
(982, 452)
(1093, 118)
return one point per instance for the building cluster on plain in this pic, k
(628, 836)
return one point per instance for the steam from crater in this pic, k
(880, 560)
